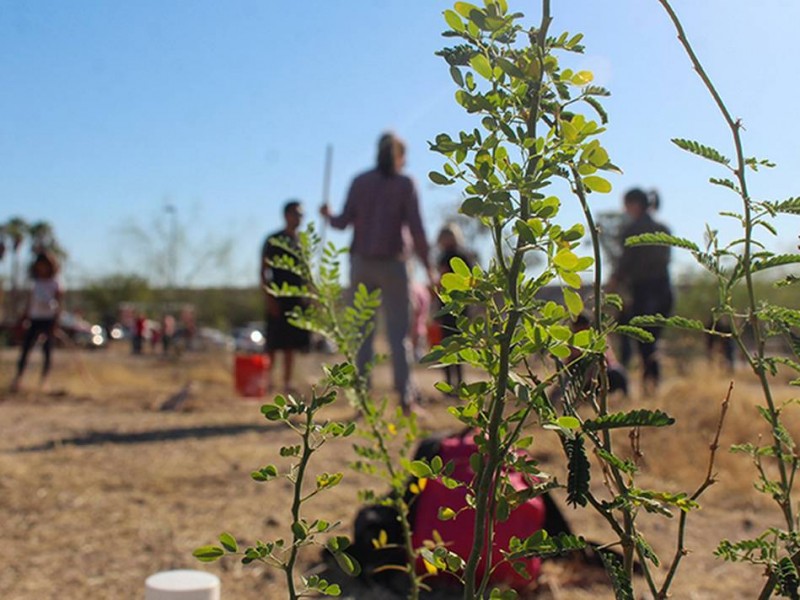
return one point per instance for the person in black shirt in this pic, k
(282, 335)
(643, 271)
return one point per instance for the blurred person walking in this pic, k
(282, 335)
(41, 311)
(643, 272)
(382, 206)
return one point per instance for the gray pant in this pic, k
(391, 277)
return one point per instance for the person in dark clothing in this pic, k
(451, 245)
(643, 271)
(282, 335)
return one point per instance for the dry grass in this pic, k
(100, 489)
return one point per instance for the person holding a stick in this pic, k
(382, 206)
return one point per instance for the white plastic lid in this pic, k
(182, 584)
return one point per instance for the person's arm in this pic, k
(273, 307)
(348, 213)
(417, 230)
(59, 297)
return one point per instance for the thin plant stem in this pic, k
(487, 472)
(297, 501)
(752, 317)
(362, 400)
(680, 551)
(628, 524)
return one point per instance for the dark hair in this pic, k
(47, 259)
(390, 147)
(290, 206)
(644, 199)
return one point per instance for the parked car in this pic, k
(250, 338)
(81, 332)
(214, 339)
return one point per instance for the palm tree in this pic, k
(2, 241)
(16, 229)
(41, 234)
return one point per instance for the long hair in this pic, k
(390, 149)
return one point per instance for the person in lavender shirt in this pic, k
(382, 207)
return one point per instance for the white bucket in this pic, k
(182, 584)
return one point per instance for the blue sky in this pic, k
(112, 110)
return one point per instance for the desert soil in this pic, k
(100, 488)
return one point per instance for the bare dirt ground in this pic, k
(100, 489)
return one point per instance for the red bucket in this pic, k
(250, 374)
(434, 333)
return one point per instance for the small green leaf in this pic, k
(228, 542)
(271, 412)
(299, 530)
(439, 179)
(454, 21)
(267, 473)
(597, 184)
(208, 553)
(347, 563)
(573, 301)
(524, 443)
(510, 68)
(568, 422)
(459, 267)
(566, 259)
(482, 67)
(458, 78)
(464, 8)
(453, 281)
(582, 78)
(445, 513)
(420, 468)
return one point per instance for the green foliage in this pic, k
(661, 239)
(536, 124)
(105, 295)
(700, 150)
(325, 313)
(634, 418)
(676, 322)
(543, 545)
(753, 317)
(579, 472)
(300, 416)
(620, 578)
